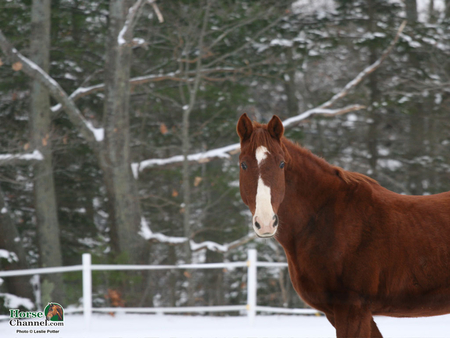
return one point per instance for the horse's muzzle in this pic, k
(265, 228)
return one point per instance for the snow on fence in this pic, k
(251, 307)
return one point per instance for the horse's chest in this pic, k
(312, 282)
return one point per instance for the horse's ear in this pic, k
(275, 128)
(244, 127)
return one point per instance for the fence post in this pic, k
(87, 289)
(251, 285)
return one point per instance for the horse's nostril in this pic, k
(275, 217)
(257, 225)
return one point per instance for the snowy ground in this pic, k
(196, 326)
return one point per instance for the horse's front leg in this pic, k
(354, 321)
(374, 332)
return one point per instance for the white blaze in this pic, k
(261, 154)
(264, 210)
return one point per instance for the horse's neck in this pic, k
(308, 176)
(310, 184)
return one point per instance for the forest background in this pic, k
(106, 168)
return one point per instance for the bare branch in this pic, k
(157, 11)
(55, 90)
(173, 76)
(238, 25)
(254, 37)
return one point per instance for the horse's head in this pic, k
(261, 180)
(53, 310)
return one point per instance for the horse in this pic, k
(354, 249)
(55, 309)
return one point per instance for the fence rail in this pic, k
(87, 267)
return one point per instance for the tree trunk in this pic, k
(10, 240)
(416, 148)
(289, 84)
(431, 12)
(416, 117)
(115, 159)
(185, 139)
(411, 10)
(372, 135)
(44, 189)
(187, 204)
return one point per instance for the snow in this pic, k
(99, 133)
(148, 234)
(390, 164)
(138, 41)
(281, 42)
(13, 302)
(411, 42)
(120, 39)
(209, 245)
(35, 155)
(163, 326)
(309, 7)
(438, 99)
(9, 255)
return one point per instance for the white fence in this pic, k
(251, 307)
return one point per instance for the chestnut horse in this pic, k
(354, 248)
(55, 309)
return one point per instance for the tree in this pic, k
(115, 159)
(45, 201)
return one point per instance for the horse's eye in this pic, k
(282, 164)
(244, 166)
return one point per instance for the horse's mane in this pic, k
(348, 177)
(261, 137)
(353, 177)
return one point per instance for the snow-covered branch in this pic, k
(203, 157)
(55, 90)
(125, 35)
(8, 159)
(290, 122)
(146, 233)
(323, 109)
(227, 151)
